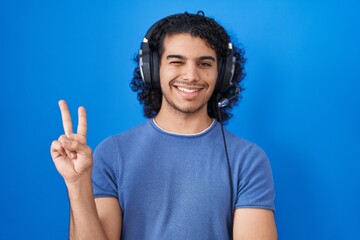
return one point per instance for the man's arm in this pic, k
(73, 160)
(84, 219)
(254, 224)
(109, 214)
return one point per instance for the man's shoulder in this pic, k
(126, 136)
(240, 142)
(236, 139)
(134, 131)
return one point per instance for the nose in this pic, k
(190, 72)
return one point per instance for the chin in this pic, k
(191, 109)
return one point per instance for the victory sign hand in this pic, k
(71, 156)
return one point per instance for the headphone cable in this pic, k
(229, 167)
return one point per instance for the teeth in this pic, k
(187, 90)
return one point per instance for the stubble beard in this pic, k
(184, 109)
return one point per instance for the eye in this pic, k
(205, 64)
(176, 63)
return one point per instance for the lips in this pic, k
(188, 90)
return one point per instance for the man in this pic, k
(179, 175)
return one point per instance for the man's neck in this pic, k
(183, 123)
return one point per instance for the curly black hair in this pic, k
(197, 25)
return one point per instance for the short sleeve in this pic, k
(255, 182)
(105, 169)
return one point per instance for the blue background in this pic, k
(301, 103)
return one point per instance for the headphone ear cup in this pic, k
(144, 63)
(149, 66)
(226, 71)
(220, 80)
(155, 68)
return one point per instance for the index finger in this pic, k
(66, 119)
(82, 124)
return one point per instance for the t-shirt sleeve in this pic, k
(255, 185)
(105, 169)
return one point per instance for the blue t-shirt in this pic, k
(174, 186)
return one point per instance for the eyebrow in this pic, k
(183, 57)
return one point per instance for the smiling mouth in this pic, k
(187, 90)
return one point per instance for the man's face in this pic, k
(188, 73)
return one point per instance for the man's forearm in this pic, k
(84, 220)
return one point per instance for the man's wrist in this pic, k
(81, 186)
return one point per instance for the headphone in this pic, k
(149, 62)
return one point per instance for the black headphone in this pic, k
(149, 62)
